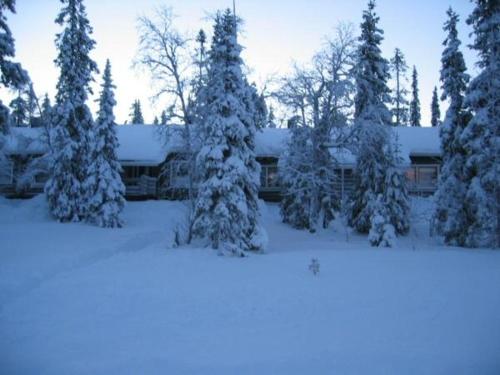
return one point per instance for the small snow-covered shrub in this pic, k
(382, 232)
(314, 266)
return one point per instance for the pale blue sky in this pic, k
(276, 33)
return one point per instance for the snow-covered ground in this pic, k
(75, 299)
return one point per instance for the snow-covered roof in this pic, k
(141, 144)
(271, 142)
(26, 141)
(149, 145)
(418, 141)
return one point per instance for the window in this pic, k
(411, 176)
(134, 172)
(427, 176)
(41, 178)
(6, 172)
(269, 177)
(179, 173)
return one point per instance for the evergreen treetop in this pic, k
(372, 72)
(435, 110)
(415, 116)
(399, 100)
(74, 45)
(136, 117)
(12, 74)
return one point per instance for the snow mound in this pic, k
(31, 210)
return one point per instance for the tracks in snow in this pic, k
(134, 244)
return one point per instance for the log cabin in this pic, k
(155, 162)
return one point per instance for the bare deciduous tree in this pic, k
(165, 53)
(321, 96)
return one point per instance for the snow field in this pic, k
(75, 299)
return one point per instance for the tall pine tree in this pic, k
(481, 136)
(296, 174)
(399, 97)
(435, 110)
(19, 113)
(449, 217)
(226, 211)
(415, 116)
(372, 72)
(71, 136)
(376, 168)
(12, 75)
(107, 198)
(163, 118)
(136, 117)
(271, 118)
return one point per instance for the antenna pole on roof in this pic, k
(235, 19)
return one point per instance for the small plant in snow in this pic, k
(382, 232)
(314, 266)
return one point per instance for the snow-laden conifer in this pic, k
(296, 179)
(163, 118)
(399, 97)
(19, 111)
(71, 135)
(376, 172)
(449, 217)
(271, 118)
(435, 110)
(481, 136)
(371, 72)
(415, 116)
(395, 196)
(12, 75)
(370, 173)
(106, 201)
(382, 232)
(256, 105)
(136, 117)
(226, 211)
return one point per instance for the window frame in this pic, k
(264, 176)
(9, 176)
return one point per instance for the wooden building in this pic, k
(155, 163)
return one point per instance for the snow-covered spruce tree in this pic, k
(46, 106)
(371, 120)
(271, 118)
(371, 72)
(321, 98)
(12, 74)
(136, 117)
(72, 129)
(449, 218)
(107, 198)
(256, 105)
(399, 98)
(415, 116)
(369, 177)
(4, 122)
(435, 110)
(382, 232)
(19, 111)
(163, 118)
(481, 136)
(395, 196)
(226, 211)
(296, 174)
(46, 117)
